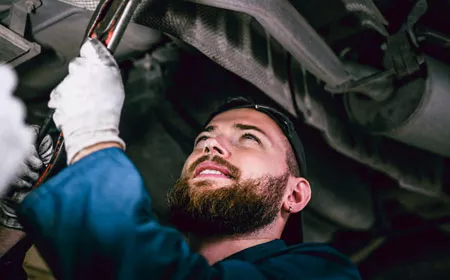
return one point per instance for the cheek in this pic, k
(192, 157)
(256, 166)
(195, 155)
(184, 170)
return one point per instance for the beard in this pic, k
(236, 209)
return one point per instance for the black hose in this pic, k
(43, 131)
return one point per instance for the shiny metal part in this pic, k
(371, 82)
(110, 20)
(233, 41)
(122, 23)
(417, 114)
(14, 49)
(419, 9)
(368, 14)
(282, 21)
(19, 14)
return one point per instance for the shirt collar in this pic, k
(259, 252)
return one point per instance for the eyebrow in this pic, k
(209, 128)
(250, 127)
(239, 126)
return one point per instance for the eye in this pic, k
(248, 136)
(200, 139)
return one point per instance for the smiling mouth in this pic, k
(212, 173)
(208, 173)
(216, 168)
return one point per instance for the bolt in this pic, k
(30, 6)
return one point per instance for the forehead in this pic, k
(249, 117)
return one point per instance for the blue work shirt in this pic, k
(94, 220)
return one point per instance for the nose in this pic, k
(217, 146)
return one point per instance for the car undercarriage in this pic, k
(366, 82)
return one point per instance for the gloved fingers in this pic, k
(57, 119)
(9, 79)
(30, 176)
(25, 178)
(54, 103)
(96, 52)
(55, 95)
(35, 128)
(19, 195)
(46, 149)
(65, 87)
(10, 201)
(44, 152)
(54, 98)
(34, 162)
(21, 183)
(89, 101)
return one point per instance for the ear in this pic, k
(298, 195)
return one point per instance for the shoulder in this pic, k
(314, 260)
(318, 250)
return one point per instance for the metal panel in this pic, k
(14, 49)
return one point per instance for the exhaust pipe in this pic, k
(293, 32)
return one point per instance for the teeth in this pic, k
(210, 171)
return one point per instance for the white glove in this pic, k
(34, 163)
(89, 101)
(16, 139)
(22, 184)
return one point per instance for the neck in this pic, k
(216, 249)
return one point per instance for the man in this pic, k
(236, 192)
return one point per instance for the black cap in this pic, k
(293, 231)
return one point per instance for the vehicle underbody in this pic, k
(366, 82)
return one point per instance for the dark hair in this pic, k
(291, 161)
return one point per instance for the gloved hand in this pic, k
(16, 139)
(89, 101)
(22, 184)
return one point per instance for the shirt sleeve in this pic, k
(94, 220)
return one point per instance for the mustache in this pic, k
(234, 171)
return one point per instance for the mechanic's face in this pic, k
(235, 179)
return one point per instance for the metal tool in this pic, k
(107, 25)
(110, 20)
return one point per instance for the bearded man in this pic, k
(235, 207)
